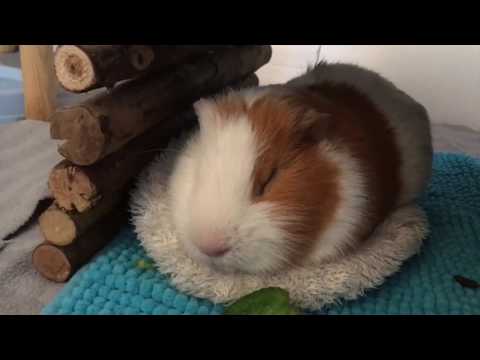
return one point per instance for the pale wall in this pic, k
(445, 78)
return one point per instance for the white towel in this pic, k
(23, 291)
(27, 155)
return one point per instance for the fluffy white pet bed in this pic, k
(398, 238)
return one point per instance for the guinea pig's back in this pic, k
(408, 119)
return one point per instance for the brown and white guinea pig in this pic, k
(298, 173)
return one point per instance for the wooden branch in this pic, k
(39, 82)
(104, 124)
(62, 228)
(81, 68)
(80, 187)
(59, 263)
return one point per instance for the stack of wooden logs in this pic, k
(110, 137)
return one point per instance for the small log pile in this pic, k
(109, 138)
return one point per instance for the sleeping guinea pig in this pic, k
(298, 173)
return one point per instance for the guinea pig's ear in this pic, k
(314, 125)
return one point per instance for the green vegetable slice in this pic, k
(268, 301)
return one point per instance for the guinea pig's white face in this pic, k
(211, 196)
(220, 212)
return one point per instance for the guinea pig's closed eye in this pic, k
(262, 187)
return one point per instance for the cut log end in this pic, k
(82, 131)
(74, 68)
(72, 188)
(51, 263)
(59, 263)
(112, 119)
(57, 227)
(62, 228)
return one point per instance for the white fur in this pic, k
(312, 286)
(409, 119)
(210, 191)
(351, 211)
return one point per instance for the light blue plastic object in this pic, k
(12, 107)
(122, 281)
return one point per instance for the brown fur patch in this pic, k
(306, 183)
(365, 132)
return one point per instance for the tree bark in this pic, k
(98, 188)
(59, 263)
(81, 68)
(104, 124)
(79, 188)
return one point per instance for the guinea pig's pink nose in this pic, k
(214, 246)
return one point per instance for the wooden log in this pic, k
(79, 188)
(39, 81)
(59, 263)
(81, 68)
(105, 123)
(62, 228)
(100, 187)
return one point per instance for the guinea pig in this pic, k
(298, 173)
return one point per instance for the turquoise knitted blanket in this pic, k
(122, 279)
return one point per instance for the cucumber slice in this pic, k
(268, 301)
